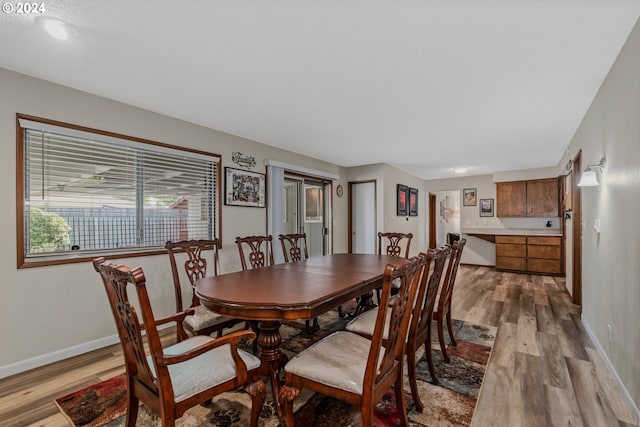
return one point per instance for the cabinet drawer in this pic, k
(511, 239)
(511, 263)
(507, 249)
(544, 251)
(544, 266)
(544, 240)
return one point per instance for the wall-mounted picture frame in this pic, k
(244, 188)
(469, 197)
(402, 202)
(413, 202)
(486, 207)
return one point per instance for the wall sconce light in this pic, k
(589, 177)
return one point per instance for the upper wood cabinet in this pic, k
(511, 198)
(535, 198)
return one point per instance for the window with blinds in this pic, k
(88, 193)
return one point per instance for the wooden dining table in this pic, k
(290, 291)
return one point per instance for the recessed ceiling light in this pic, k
(56, 28)
(460, 169)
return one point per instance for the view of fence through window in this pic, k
(91, 192)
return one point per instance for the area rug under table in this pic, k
(451, 403)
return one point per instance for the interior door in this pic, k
(362, 217)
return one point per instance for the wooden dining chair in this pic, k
(391, 243)
(173, 379)
(201, 259)
(294, 248)
(442, 311)
(260, 251)
(355, 369)
(419, 327)
(259, 254)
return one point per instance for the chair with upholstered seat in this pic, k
(260, 251)
(355, 369)
(391, 244)
(294, 248)
(259, 254)
(442, 311)
(200, 259)
(173, 379)
(419, 328)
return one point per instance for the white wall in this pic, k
(49, 309)
(476, 251)
(405, 224)
(447, 222)
(387, 178)
(610, 267)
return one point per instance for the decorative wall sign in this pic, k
(244, 188)
(243, 161)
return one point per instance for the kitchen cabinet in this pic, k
(529, 254)
(534, 198)
(544, 254)
(511, 198)
(511, 253)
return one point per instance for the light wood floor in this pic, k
(543, 371)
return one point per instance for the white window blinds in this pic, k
(95, 192)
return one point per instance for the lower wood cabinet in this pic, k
(532, 254)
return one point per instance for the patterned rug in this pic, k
(451, 403)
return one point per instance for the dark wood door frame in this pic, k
(432, 220)
(576, 221)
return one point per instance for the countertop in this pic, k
(512, 231)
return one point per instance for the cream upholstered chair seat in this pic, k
(365, 323)
(204, 318)
(338, 360)
(202, 372)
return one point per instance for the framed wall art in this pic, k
(244, 188)
(413, 202)
(486, 207)
(402, 200)
(469, 197)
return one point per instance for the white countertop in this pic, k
(512, 231)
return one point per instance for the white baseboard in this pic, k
(609, 365)
(65, 353)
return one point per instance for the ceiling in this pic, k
(424, 85)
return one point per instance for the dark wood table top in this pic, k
(296, 290)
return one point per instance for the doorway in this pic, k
(444, 217)
(306, 211)
(362, 217)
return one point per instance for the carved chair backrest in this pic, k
(294, 246)
(444, 304)
(428, 290)
(116, 279)
(408, 271)
(393, 242)
(202, 258)
(260, 252)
